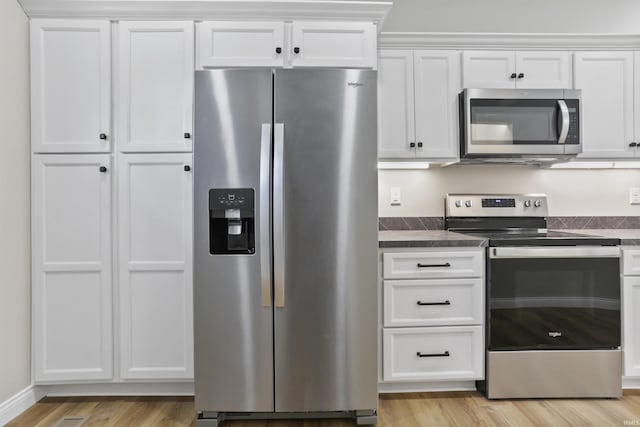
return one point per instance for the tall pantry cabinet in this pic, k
(112, 200)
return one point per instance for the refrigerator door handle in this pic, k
(278, 214)
(265, 221)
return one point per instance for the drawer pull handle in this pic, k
(447, 302)
(445, 354)
(446, 264)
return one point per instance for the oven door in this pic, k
(553, 298)
(510, 123)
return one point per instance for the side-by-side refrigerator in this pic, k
(285, 246)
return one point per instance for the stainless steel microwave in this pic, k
(504, 124)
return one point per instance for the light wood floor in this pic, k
(416, 409)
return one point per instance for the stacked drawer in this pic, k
(433, 314)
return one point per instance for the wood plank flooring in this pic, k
(397, 410)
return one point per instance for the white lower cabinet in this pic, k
(432, 317)
(71, 244)
(631, 315)
(155, 275)
(83, 324)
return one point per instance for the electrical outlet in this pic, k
(634, 196)
(395, 195)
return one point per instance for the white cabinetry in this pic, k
(154, 106)
(70, 86)
(71, 243)
(631, 311)
(280, 44)
(607, 83)
(520, 69)
(432, 317)
(155, 275)
(417, 104)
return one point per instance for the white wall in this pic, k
(15, 335)
(515, 16)
(571, 192)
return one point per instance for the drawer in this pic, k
(630, 262)
(433, 265)
(433, 302)
(435, 353)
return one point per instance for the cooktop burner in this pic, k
(511, 220)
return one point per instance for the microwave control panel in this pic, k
(573, 137)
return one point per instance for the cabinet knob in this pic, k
(187, 168)
(412, 145)
(521, 76)
(278, 50)
(103, 169)
(296, 50)
(187, 135)
(513, 75)
(103, 136)
(419, 144)
(633, 144)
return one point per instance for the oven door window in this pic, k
(514, 121)
(554, 303)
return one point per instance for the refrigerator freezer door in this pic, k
(325, 330)
(232, 293)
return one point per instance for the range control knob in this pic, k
(468, 203)
(537, 203)
(458, 203)
(527, 203)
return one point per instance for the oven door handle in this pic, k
(556, 252)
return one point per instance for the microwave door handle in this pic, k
(564, 119)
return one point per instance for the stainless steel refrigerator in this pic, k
(285, 247)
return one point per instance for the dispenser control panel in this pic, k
(231, 198)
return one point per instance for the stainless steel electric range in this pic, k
(553, 319)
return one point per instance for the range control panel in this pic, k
(496, 205)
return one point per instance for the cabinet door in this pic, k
(437, 84)
(70, 86)
(333, 44)
(240, 44)
(155, 86)
(71, 235)
(636, 99)
(155, 266)
(396, 124)
(631, 322)
(488, 69)
(606, 80)
(543, 70)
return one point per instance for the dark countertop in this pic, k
(628, 237)
(427, 239)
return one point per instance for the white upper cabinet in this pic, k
(333, 44)
(483, 69)
(240, 44)
(280, 44)
(521, 69)
(396, 126)
(437, 84)
(71, 242)
(154, 103)
(606, 81)
(70, 86)
(417, 104)
(155, 266)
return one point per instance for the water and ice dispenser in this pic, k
(231, 221)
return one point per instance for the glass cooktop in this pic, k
(547, 238)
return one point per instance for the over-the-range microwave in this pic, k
(520, 124)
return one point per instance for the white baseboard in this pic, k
(630, 382)
(18, 403)
(411, 387)
(119, 389)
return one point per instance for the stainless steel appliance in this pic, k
(520, 124)
(285, 255)
(553, 301)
